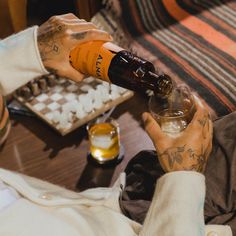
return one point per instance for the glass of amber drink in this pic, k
(104, 140)
(175, 112)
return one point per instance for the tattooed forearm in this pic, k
(173, 155)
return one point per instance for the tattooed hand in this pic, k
(191, 149)
(59, 35)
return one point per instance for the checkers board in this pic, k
(67, 105)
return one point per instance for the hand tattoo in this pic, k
(49, 42)
(201, 159)
(178, 155)
(173, 155)
(203, 121)
(79, 35)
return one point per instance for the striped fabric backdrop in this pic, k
(192, 40)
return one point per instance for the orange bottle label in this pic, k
(94, 58)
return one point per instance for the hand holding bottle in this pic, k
(59, 35)
(190, 149)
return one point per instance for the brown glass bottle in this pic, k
(111, 63)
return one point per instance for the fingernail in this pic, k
(145, 117)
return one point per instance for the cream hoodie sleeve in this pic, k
(177, 207)
(20, 60)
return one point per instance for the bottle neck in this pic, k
(161, 85)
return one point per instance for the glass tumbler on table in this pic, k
(104, 139)
(175, 112)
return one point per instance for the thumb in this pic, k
(152, 128)
(71, 73)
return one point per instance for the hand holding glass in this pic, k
(174, 113)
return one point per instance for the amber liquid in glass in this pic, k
(174, 120)
(104, 141)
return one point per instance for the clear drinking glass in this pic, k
(174, 113)
(104, 139)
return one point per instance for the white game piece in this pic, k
(86, 88)
(57, 89)
(49, 116)
(105, 97)
(106, 84)
(70, 96)
(61, 80)
(91, 94)
(103, 93)
(86, 102)
(64, 125)
(89, 106)
(53, 106)
(65, 108)
(100, 87)
(74, 105)
(83, 99)
(107, 87)
(56, 96)
(89, 79)
(80, 114)
(97, 104)
(70, 106)
(69, 116)
(72, 88)
(56, 116)
(39, 106)
(79, 108)
(42, 97)
(114, 95)
(122, 90)
(72, 82)
(114, 88)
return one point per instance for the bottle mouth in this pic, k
(162, 84)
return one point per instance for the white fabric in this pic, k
(20, 60)
(176, 209)
(183, 194)
(7, 196)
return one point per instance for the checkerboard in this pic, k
(68, 105)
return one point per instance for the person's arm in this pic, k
(178, 201)
(37, 50)
(20, 60)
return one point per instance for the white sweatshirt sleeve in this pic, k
(177, 206)
(20, 60)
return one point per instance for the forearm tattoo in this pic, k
(49, 42)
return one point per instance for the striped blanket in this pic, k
(194, 41)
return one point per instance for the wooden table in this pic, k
(34, 149)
